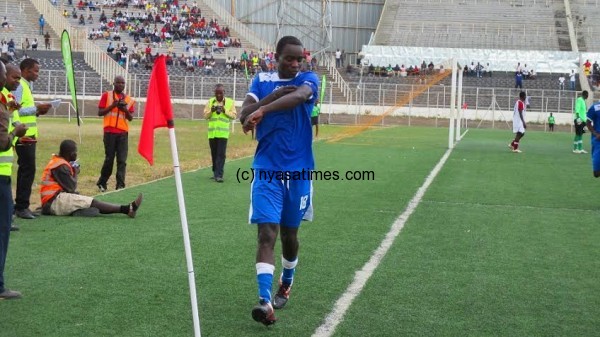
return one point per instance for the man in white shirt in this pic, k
(572, 79)
(338, 58)
(561, 82)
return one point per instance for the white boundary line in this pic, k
(335, 317)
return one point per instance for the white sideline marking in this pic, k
(361, 277)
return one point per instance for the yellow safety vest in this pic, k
(6, 157)
(218, 124)
(26, 102)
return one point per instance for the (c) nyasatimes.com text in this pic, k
(334, 175)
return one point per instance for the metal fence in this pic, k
(366, 98)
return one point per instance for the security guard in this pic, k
(219, 111)
(117, 109)
(26, 145)
(6, 202)
(13, 78)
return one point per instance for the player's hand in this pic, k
(597, 135)
(524, 126)
(253, 119)
(20, 130)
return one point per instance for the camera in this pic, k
(217, 109)
(121, 103)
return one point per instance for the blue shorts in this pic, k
(595, 155)
(283, 202)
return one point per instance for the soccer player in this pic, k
(519, 124)
(314, 117)
(551, 122)
(579, 116)
(593, 124)
(279, 106)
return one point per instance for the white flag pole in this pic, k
(186, 233)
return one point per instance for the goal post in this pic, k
(456, 114)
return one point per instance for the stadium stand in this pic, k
(124, 16)
(492, 24)
(23, 20)
(584, 13)
(375, 90)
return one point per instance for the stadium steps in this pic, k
(24, 18)
(560, 24)
(385, 28)
(469, 24)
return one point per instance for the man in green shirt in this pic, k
(579, 117)
(551, 122)
(314, 117)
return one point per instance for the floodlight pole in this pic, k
(452, 105)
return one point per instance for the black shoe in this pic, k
(14, 228)
(264, 313)
(120, 187)
(282, 296)
(133, 206)
(101, 187)
(10, 295)
(219, 179)
(24, 214)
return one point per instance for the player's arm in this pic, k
(522, 119)
(286, 102)
(590, 127)
(250, 104)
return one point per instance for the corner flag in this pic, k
(158, 114)
(159, 111)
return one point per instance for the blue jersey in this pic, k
(284, 137)
(593, 115)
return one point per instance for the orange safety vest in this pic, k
(116, 118)
(50, 187)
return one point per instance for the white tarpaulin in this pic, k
(499, 59)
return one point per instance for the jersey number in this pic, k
(303, 200)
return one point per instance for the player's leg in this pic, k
(265, 210)
(576, 137)
(517, 140)
(580, 131)
(297, 201)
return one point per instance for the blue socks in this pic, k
(264, 278)
(289, 267)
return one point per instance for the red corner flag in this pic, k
(158, 112)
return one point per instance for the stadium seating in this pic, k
(492, 24)
(178, 46)
(585, 13)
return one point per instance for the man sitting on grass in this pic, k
(59, 185)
